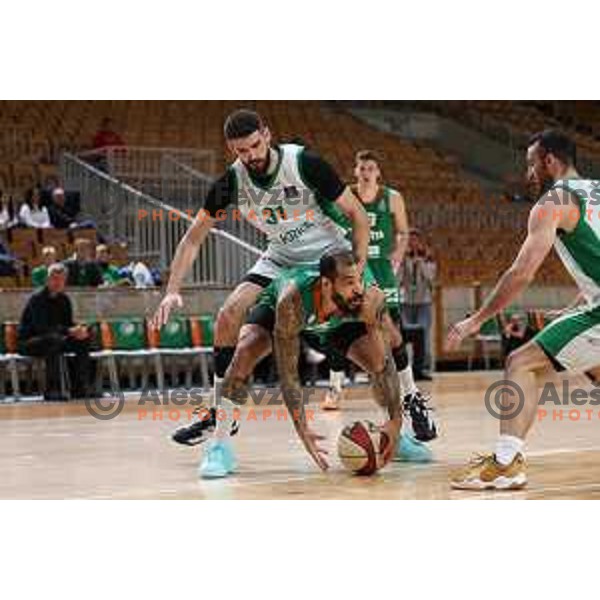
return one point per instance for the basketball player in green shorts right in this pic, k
(567, 218)
(388, 239)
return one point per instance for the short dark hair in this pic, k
(242, 123)
(332, 260)
(367, 155)
(554, 141)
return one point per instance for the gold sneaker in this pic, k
(484, 473)
(331, 400)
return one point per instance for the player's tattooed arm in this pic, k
(373, 307)
(386, 388)
(288, 326)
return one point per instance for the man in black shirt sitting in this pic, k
(61, 215)
(82, 269)
(47, 330)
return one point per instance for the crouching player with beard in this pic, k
(336, 310)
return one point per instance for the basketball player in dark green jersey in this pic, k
(388, 239)
(337, 310)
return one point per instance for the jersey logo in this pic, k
(291, 192)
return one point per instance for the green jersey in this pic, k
(306, 282)
(579, 249)
(39, 275)
(381, 218)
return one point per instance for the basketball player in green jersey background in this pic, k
(567, 218)
(387, 244)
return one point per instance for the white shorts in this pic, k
(573, 340)
(270, 266)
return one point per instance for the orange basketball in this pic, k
(359, 447)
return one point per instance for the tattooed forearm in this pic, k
(288, 326)
(386, 388)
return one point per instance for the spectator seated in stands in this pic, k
(8, 218)
(8, 263)
(39, 274)
(60, 216)
(111, 274)
(63, 215)
(33, 213)
(514, 334)
(83, 270)
(140, 275)
(47, 330)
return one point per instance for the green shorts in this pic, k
(572, 341)
(386, 280)
(332, 339)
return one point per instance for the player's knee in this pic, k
(520, 359)
(229, 317)
(400, 357)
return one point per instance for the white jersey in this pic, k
(298, 224)
(579, 249)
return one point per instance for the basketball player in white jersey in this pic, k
(292, 195)
(565, 218)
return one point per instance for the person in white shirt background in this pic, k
(7, 212)
(32, 212)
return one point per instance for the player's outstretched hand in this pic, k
(169, 302)
(459, 331)
(311, 440)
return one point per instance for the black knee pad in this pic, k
(400, 357)
(223, 358)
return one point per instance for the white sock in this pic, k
(216, 391)
(407, 383)
(507, 447)
(336, 380)
(225, 418)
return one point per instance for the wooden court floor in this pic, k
(59, 451)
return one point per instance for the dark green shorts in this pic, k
(334, 342)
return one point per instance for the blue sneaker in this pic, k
(218, 460)
(411, 450)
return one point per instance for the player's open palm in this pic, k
(169, 303)
(459, 331)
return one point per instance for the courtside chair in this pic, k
(489, 335)
(181, 340)
(9, 360)
(124, 341)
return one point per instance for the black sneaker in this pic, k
(195, 433)
(415, 406)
